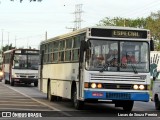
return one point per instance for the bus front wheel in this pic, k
(6, 82)
(12, 82)
(35, 84)
(76, 103)
(128, 105)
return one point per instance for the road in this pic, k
(22, 98)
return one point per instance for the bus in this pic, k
(21, 66)
(78, 66)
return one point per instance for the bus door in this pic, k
(83, 48)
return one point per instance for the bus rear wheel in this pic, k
(35, 84)
(157, 103)
(76, 103)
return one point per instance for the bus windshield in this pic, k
(26, 61)
(112, 55)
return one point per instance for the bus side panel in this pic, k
(54, 87)
(63, 74)
(64, 89)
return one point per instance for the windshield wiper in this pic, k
(104, 67)
(134, 68)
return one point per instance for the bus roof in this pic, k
(8, 51)
(85, 29)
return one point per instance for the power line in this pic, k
(141, 9)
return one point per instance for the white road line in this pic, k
(19, 105)
(24, 109)
(16, 102)
(53, 108)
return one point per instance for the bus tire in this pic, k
(76, 103)
(59, 98)
(35, 84)
(128, 105)
(157, 103)
(12, 82)
(49, 96)
(5, 82)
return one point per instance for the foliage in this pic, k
(118, 21)
(7, 47)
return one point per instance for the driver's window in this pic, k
(16, 61)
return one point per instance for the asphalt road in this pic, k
(26, 98)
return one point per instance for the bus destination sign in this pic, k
(23, 51)
(132, 34)
(117, 33)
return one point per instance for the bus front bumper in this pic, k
(25, 80)
(106, 95)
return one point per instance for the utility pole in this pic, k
(46, 35)
(2, 43)
(1, 51)
(8, 40)
(15, 41)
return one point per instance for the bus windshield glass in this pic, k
(26, 61)
(112, 55)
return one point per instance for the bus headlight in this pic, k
(16, 75)
(1, 73)
(99, 85)
(93, 85)
(35, 76)
(135, 87)
(141, 87)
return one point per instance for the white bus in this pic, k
(21, 66)
(78, 66)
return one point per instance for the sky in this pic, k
(25, 24)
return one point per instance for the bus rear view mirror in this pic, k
(83, 47)
(151, 45)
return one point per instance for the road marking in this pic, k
(15, 100)
(19, 105)
(53, 108)
(24, 109)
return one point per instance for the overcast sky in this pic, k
(27, 22)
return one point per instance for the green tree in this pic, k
(8, 47)
(118, 21)
(153, 24)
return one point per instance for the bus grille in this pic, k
(117, 86)
(26, 76)
(31, 76)
(125, 96)
(114, 78)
